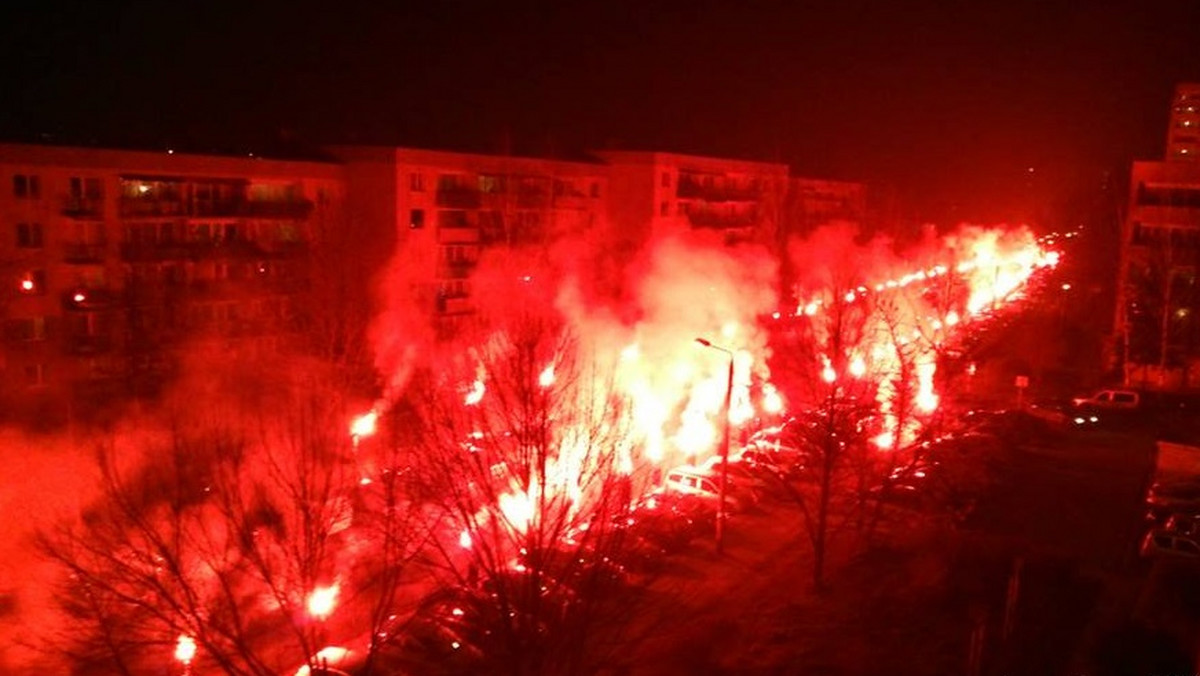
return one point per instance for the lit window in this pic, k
(32, 283)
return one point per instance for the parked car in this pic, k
(1166, 498)
(1183, 523)
(1110, 400)
(669, 519)
(1161, 542)
(751, 481)
(689, 480)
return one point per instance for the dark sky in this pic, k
(948, 102)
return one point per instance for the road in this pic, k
(1067, 506)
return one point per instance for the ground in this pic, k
(1065, 514)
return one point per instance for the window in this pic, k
(416, 182)
(664, 209)
(29, 235)
(416, 219)
(666, 180)
(28, 328)
(27, 186)
(35, 374)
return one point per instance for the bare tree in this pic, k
(225, 533)
(824, 370)
(520, 445)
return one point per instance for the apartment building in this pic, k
(1183, 125)
(449, 208)
(113, 263)
(740, 200)
(110, 260)
(1157, 319)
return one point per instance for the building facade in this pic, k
(446, 209)
(112, 260)
(1157, 319)
(114, 263)
(1183, 125)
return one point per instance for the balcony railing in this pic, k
(160, 251)
(84, 252)
(137, 207)
(228, 208)
(89, 299)
(455, 270)
(712, 219)
(155, 251)
(290, 209)
(453, 235)
(690, 188)
(83, 343)
(532, 198)
(83, 208)
(459, 198)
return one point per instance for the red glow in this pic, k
(673, 398)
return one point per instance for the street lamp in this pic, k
(724, 446)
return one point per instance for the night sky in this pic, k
(949, 103)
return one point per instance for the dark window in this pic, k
(35, 374)
(664, 209)
(30, 328)
(26, 185)
(416, 218)
(29, 235)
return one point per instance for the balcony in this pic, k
(142, 207)
(703, 218)
(85, 343)
(529, 197)
(83, 208)
(455, 306)
(89, 299)
(1167, 215)
(284, 209)
(83, 253)
(459, 270)
(459, 198)
(141, 252)
(458, 235)
(227, 208)
(717, 191)
(236, 248)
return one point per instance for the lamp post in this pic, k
(724, 447)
